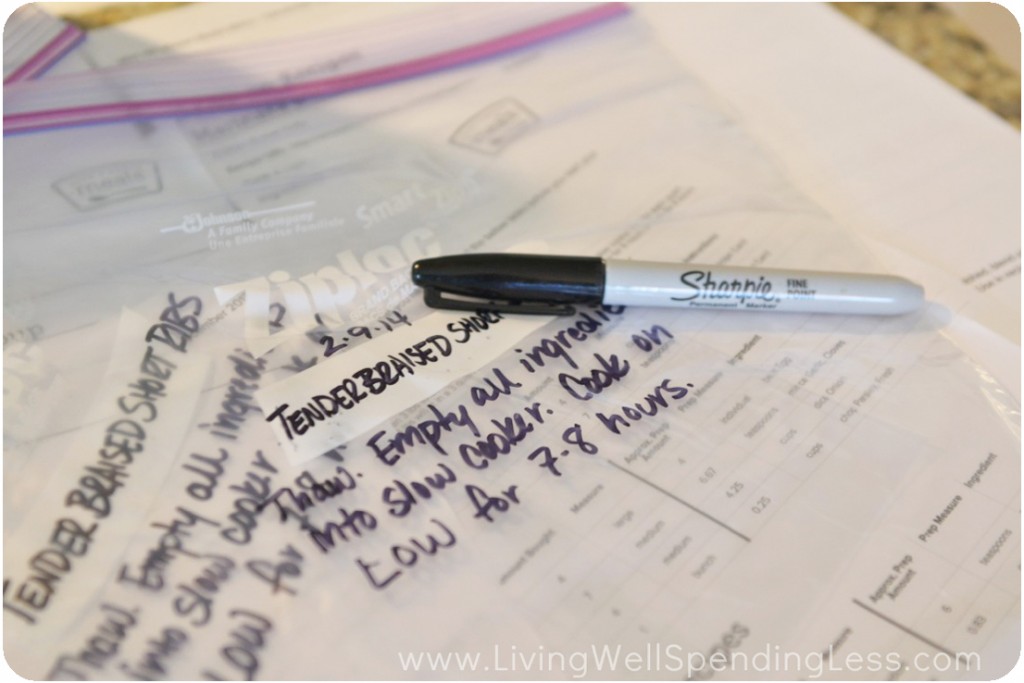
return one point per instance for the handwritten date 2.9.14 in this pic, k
(334, 343)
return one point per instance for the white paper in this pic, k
(951, 200)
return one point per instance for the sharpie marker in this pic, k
(525, 283)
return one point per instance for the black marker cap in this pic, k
(520, 283)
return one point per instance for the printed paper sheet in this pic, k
(619, 493)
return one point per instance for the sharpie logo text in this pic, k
(704, 286)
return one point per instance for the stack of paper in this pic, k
(238, 445)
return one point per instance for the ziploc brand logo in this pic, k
(109, 184)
